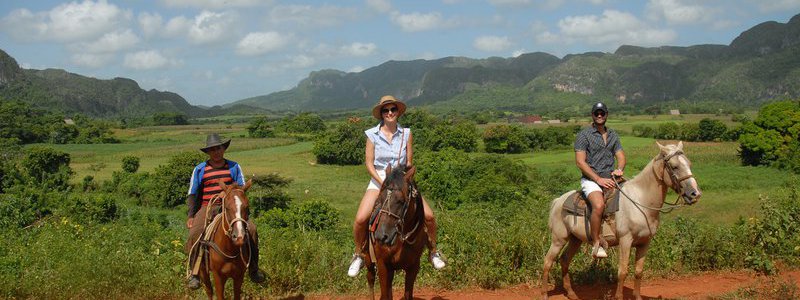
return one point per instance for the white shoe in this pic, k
(599, 252)
(436, 260)
(355, 265)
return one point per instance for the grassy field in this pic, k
(729, 188)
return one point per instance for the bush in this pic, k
(302, 123)
(48, 167)
(315, 215)
(267, 194)
(774, 137)
(343, 145)
(171, 180)
(712, 130)
(551, 137)
(505, 139)
(169, 118)
(130, 164)
(99, 208)
(260, 128)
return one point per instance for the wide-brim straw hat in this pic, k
(388, 99)
(214, 140)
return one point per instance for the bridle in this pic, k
(676, 181)
(400, 224)
(220, 198)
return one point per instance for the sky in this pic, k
(213, 52)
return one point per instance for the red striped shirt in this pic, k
(210, 181)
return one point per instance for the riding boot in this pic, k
(193, 282)
(256, 275)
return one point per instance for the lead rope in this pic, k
(665, 208)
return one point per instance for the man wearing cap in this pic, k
(596, 148)
(203, 186)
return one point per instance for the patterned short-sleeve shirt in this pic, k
(599, 153)
(387, 152)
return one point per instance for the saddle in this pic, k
(577, 204)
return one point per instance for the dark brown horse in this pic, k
(228, 250)
(397, 235)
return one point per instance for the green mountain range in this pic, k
(760, 65)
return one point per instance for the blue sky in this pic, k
(218, 51)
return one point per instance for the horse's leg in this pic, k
(219, 286)
(411, 277)
(385, 276)
(641, 252)
(566, 259)
(237, 287)
(206, 278)
(555, 247)
(624, 258)
(371, 279)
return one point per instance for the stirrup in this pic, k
(437, 261)
(599, 252)
(355, 265)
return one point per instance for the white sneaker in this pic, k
(436, 260)
(355, 266)
(599, 252)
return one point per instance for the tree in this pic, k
(130, 164)
(712, 130)
(772, 139)
(260, 128)
(343, 145)
(504, 139)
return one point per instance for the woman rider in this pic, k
(387, 144)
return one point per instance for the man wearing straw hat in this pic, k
(203, 187)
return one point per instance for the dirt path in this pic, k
(701, 286)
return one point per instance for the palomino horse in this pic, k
(637, 220)
(229, 254)
(399, 236)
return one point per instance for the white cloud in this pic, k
(308, 16)
(300, 62)
(92, 60)
(69, 22)
(488, 43)
(215, 3)
(677, 12)
(518, 52)
(147, 60)
(211, 27)
(356, 69)
(511, 3)
(258, 43)
(177, 26)
(359, 49)
(418, 21)
(151, 24)
(611, 29)
(382, 6)
(109, 42)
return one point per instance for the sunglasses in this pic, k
(387, 110)
(599, 113)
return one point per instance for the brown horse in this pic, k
(397, 234)
(228, 253)
(640, 204)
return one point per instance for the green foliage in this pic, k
(170, 180)
(342, 145)
(260, 128)
(551, 137)
(451, 177)
(712, 130)
(169, 118)
(302, 123)
(130, 164)
(100, 208)
(313, 215)
(774, 137)
(267, 193)
(48, 167)
(505, 139)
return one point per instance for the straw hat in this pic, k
(214, 140)
(388, 99)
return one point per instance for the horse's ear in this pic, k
(221, 183)
(410, 172)
(680, 145)
(248, 184)
(388, 170)
(661, 147)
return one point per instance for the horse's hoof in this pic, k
(193, 283)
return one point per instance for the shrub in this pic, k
(169, 118)
(171, 180)
(130, 164)
(343, 145)
(712, 130)
(302, 123)
(504, 139)
(315, 215)
(267, 193)
(100, 208)
(47, 166)
(260, 128)
(774, 137)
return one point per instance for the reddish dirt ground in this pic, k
(700, 286)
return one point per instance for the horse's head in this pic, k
(677, 172)
(236, 210)
(395, 201)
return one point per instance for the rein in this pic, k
(405, 238)
(227, 231)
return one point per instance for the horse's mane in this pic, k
(648, 168)
(396, 179)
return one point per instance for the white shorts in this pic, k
(588, 186)
(373, 184)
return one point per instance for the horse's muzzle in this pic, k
(385, 235)
(691, 196)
